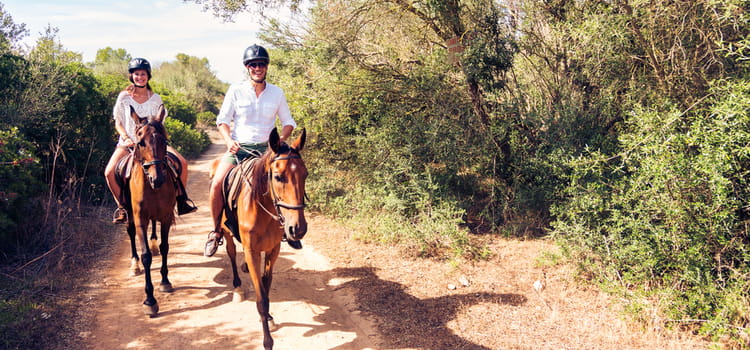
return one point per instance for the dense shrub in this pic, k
(20, 183)
(186, 140)
(666, 218)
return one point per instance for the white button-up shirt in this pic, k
(254, 117)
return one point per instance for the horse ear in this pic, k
(299, 143)
(160, 114)
(138, 120)
(273, 140)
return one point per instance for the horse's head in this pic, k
(286, 181)
(151, 146)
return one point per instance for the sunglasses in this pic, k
(257, 65)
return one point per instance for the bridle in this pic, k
(277, 203)
(144, 164)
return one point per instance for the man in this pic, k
(245, 121)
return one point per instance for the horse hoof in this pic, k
(238, 295)
(166, 288)
(244, 267)
(135, 268)
(154, 247)
(151, 310)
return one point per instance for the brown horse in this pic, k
(269, 204)
(150, 198)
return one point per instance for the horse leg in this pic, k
(134, 263)
(153, 243)
(165, 285)
(261, 294)
(150, 306)
(238, 294)
(269, 261)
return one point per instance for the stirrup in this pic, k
(120, 216)
(213, 244)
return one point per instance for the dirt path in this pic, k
(360, 296)
(311, 313)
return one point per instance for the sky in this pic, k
(155, 30)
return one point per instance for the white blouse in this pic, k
(121, 111)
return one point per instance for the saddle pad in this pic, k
(124, 169)
(239, 175)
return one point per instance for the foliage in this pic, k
(185, 139)
(192, 78)
(19, 183)
(11, 33)
(111, 62)
(178, 107)
(665, 216)
(227, 9)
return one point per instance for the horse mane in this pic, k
(259, 176)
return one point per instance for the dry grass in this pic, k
(428, 304)
(51, 286)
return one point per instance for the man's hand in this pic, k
(233, 147)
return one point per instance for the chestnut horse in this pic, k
(151, 197)
(269, 204)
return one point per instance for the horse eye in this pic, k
(278, 177)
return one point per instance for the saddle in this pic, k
(238, 176)
(124, 169)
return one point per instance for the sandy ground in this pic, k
(341, 293)
(309, 310)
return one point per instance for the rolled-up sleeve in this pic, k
(227, 112)
(285, 115)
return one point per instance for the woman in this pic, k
(146, 104)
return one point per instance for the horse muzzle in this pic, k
(153, 174)
(295, 227)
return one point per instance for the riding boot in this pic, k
(183, 207)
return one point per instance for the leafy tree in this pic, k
(11, 33)
(111, 61)
(191, 77)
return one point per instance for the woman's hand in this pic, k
(127, 142)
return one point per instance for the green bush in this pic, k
(179, 108)
(205, 119)
(668, 215)
(186, 140)
(20, 172)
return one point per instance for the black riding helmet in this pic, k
(254, 53)
(139, 63)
